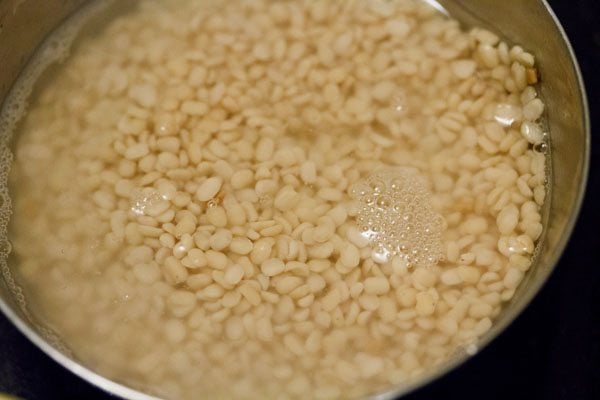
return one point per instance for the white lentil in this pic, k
(272, 267)
(508, 219)
(533, 110)
(376, 286)
(241, 245)
(209, 188)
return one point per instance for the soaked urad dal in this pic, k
(277, 199)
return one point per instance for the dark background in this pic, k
(552, 351)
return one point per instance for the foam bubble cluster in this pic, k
(144, 200)
(396, 215)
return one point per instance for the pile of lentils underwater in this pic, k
(278, 199)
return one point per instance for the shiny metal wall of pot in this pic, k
(24, 24)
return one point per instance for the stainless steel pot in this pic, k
(24, 24)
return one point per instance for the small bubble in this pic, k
(383, 202)
(378, 187)
(396, 184)
(540, 147)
